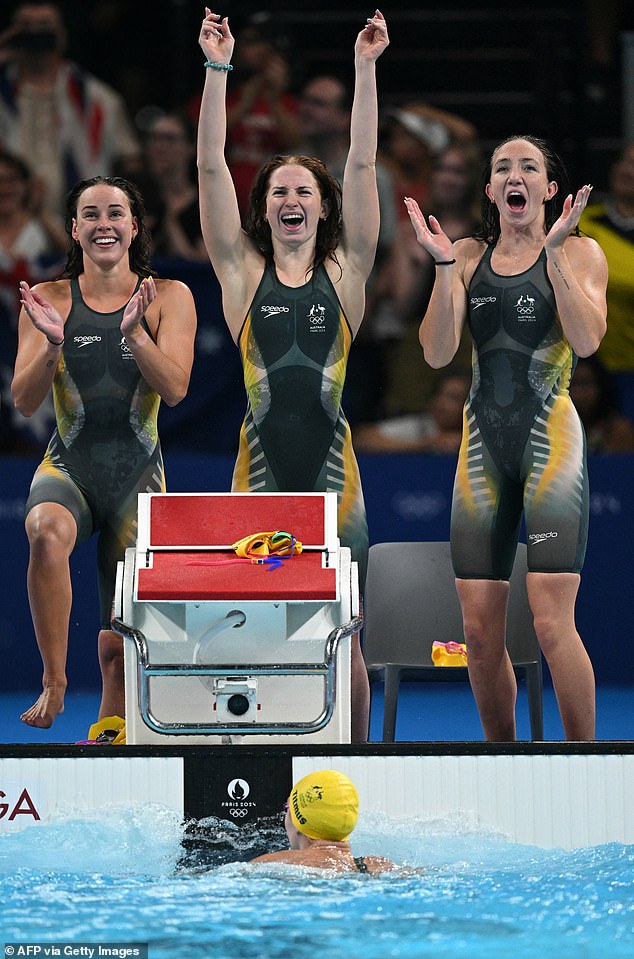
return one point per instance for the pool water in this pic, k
(133, 875)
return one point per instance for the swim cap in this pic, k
(324, 805)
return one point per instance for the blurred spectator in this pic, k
(611, 224)
(438, 430)
(415, 135)
(324, 125)
(324, 122)
(455, 185)
(26, 233)
(261, 113)
(594, 395)
(172, 190)
(28, 246)
(454, 200)
(63, 121)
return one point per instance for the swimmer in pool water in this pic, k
(321, 813)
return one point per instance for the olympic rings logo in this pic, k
(524, 310)
(238, 813)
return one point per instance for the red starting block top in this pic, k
(212, 521)
(190, 576)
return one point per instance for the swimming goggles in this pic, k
(275, 543)
(262, 549)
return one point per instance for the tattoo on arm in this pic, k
(562, 276)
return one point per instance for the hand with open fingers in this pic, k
(216, 39)
(137, 306)
(569, 219)
(373, 39)
(431, 237)
(42, 315)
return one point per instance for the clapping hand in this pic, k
(569, 219)
(431, 236)
(137, 306)
(42, 315)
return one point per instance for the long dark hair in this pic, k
(140, 248)
(328, 230)
(555, 170)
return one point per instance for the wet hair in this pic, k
(140, 248)
(328, 230)
(555, 170)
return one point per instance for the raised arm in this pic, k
(219, 214)
(578, 271)
(165, 364)
(360, 204)
(442, 325)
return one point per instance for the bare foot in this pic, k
(49, 705)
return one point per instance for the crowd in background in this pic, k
(125, 114)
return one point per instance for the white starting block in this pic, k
(220, 650)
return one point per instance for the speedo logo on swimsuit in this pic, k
(478, 301)
(272, 310)
(86, 340)
(540, 537)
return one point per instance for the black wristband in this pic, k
(444, 262)
(61, 342)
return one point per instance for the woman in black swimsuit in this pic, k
(293, 294)
(532, 292)
(111, 342)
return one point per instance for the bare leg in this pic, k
(359, 693)
(552, 598)
(493, 682)
(52, 532)
(110, 648)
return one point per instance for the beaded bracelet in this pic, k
(444, 262)
(218, 66)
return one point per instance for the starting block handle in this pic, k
(326, 669)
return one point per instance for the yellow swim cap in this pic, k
(324, 805)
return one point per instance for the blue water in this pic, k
(125, 877)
